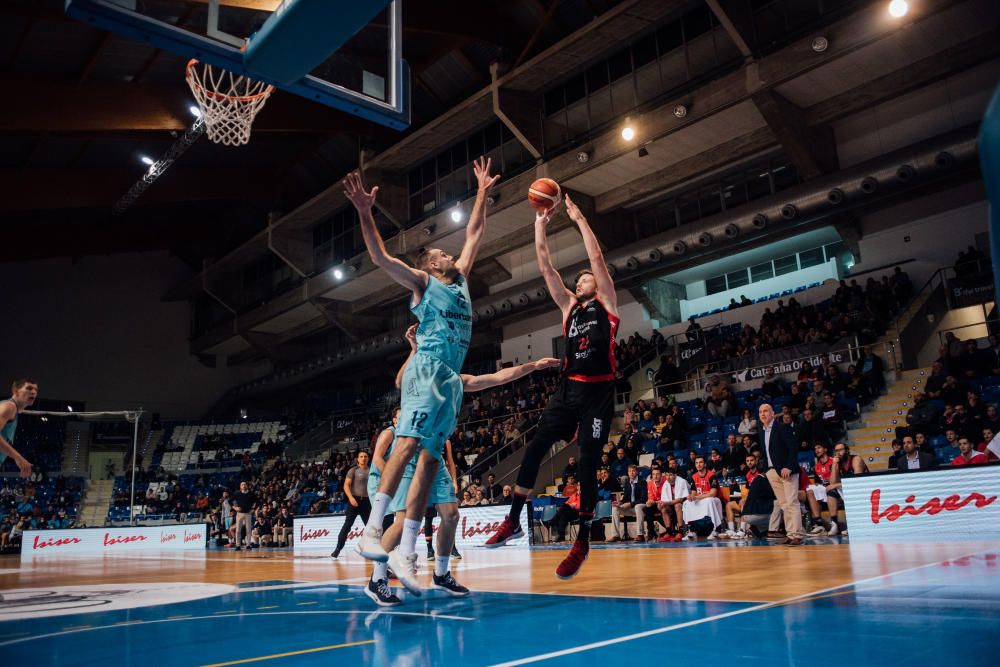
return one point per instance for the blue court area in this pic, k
(914, 617)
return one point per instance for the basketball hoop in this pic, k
(228, 102)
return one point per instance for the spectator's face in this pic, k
(572, 461)
(243, 487)
(656, 475)
(731, 440)
(840, 450)
(909, 445)
(921, 440)
(819, 450)
(699, 464)
(363, 459)
(751, 462)
(987, 434)
(828, 400)
(621, 453)
(491, 478)
(965, 446)
(807, 415)
(766, 414)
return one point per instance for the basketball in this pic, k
(544, 194)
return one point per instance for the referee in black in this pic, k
(358, 503)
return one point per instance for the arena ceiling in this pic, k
(70, 137)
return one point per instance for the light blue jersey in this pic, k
(445, 314)
(9, 429)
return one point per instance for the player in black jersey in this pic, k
(584, 403)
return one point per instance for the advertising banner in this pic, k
(102, 541)
(949, 504)
(314, 535)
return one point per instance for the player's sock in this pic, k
(408, 543)
(732, 525)
(441, 565)
(380, 572)
(586, 518)
(380, 505)
(516, 506)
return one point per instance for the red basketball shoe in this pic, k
(574, 561)
(506, 532)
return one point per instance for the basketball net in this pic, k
(228, 102)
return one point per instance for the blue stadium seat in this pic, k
(939, 441)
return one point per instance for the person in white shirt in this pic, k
(675, 491)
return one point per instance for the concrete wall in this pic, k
(95, 330)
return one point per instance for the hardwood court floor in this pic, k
(753, 603)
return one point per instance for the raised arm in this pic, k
(477, 219)
(553, 281)
(474, 383)
(411, 338)
(398, 270)
(605, 285)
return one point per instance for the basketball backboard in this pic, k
(344, 54)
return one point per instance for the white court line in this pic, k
(364, 612)
(709, 619)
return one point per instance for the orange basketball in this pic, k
(544, 193)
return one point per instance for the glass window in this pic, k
(687, 210)
(737, 278)
(784, 176)
(458, 156)
(711, 201)
(786, 265)
(758, 183)
(761, 272)
(492, 136)
(812, 257)
(715, 285)
(575, 89)
(644, 50)
(697, 22)
(620, 64)
(734, 192)
(669, 37)
(597, 76)
(554, 100)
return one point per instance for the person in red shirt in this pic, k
(704, 500)
(827, 471)
(567, 513)
(968, 455)
(654, 490)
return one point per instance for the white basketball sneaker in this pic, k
(370, 545)
(405, 567)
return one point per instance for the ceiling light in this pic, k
(145, 159)
(820, 44)
(898, 8)
(583, 157)
(680, 111)
(456, 215)
(429, 230)
(70, 408)
(628, 134)
(195, 111)
(338, 274)
(643, 152)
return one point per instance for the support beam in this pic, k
(813, 150)
(726, 21)
(341, 315)
(393, 195)
(293, 247)
(540, 29)
(93, 58)
(520, 113)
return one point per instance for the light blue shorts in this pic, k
(442, 488)
(374, 477)
(431, 399)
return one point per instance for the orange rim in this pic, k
(193, 82)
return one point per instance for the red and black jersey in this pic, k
(824, 470)
(590, 332)
(704, 484)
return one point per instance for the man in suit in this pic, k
(781, 456)
(632, 503)
(914, 459)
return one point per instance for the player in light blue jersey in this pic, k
(23, 395)
(431, 388)
(443, 495)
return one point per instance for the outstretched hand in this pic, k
(411, 336)
(546, 362)
(481, 167)
(543, 215)
(354, 189)
(573, 211)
